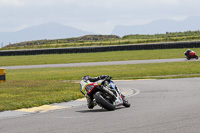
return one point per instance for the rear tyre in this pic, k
(103, 102)
(196, 57)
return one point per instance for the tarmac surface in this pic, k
(98, 63)
(157, 106)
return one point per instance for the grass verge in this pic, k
(93, 57)
(15, 94)
(34, 87)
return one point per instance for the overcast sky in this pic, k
(98, 16)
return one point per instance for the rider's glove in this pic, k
(104, 76)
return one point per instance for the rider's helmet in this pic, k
(187, 52)
(85, 77)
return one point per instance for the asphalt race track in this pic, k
(100, 63)
(162, 106)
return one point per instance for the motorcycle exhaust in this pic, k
(109, 92)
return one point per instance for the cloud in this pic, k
(11, 3)
(92, 15)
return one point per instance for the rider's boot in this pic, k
(90, 102)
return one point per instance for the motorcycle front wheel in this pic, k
(103, 102)
(188, 58)
(126, 104)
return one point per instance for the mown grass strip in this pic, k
(15, 94)
(36, 87)
(117, 71)
(93, 57)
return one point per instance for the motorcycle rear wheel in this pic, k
(103, 102)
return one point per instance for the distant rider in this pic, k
(188, 52)
(87, 79)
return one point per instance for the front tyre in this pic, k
(103, 102)
(188, 58)
(126, 104)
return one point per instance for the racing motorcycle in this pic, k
(190, 55)
(105, 93)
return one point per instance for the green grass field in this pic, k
(94, 57)
(34, 87)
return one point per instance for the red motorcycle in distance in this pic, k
(189, 54)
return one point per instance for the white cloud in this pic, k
(169, 2)
(92, 15)
(15, 3)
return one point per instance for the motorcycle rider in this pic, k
(190, 54)
(90, 101)
(187, 52)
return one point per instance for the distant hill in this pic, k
(44, 31)
(85, 38)
(159, 26)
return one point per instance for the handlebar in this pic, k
(108, 78)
